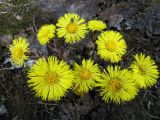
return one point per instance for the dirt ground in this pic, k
(137, 20)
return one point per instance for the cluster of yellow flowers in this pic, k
(51, 78)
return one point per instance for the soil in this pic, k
(137, 20)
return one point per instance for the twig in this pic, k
(11, 68)
(3, 12)
(151, 94)
(33, 20)
(148, 113)
(133, 118)
(121, 116)
(144, 95)
(55, 46)
(46, 103)
(129, 51)
(54, 49)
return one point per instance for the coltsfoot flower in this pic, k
(71, 27)
(111, 46)
(144, 70)
(117, 85)
(18, 50)
(50, 78)
(85, 76)
(45, 33)
(98, 25)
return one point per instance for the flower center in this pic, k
(78, 91)
(18, 53)
(142, 69)
(111, 46)
(51, 78)
(114, 85)
(85, 74)
(45, 33)
(72, 28)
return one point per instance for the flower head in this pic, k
(18, 49)
(144, 70)
(111, 46)
(45, 33)
(51, 78)
(116, 85)
(96, 25)
(71, 27)
(85, 76)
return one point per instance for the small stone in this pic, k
(3, 110)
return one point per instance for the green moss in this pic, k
(25, 10)
(9, 21)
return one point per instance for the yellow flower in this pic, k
(111, 46)
(18, 49)
(96, 25)
(117, 85)
(144, 70)
(85, 76)
(71, 27)
(45, 33)
(50, 79)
